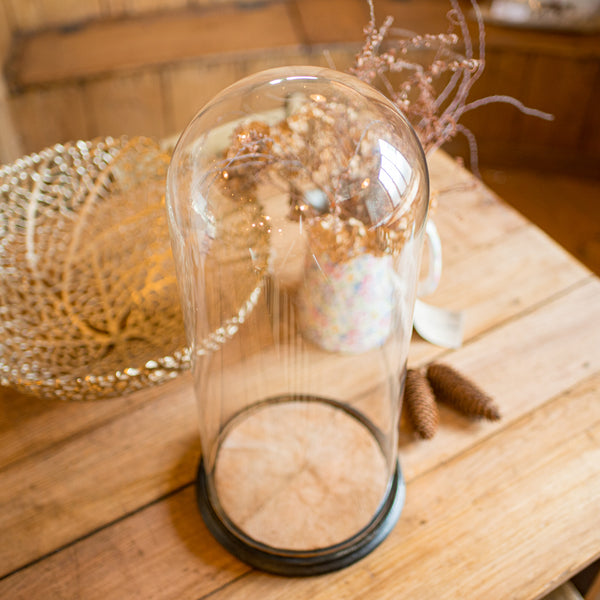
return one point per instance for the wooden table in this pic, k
(97, 499)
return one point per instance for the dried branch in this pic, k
(433, 107)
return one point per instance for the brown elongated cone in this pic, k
(452, 388)
(421, 407)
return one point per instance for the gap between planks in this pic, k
(97, 530)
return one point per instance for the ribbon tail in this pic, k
(439, 326)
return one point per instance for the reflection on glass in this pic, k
(297, 200)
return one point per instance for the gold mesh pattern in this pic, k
(88, 296)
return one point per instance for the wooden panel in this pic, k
(566, 208)
(117, 8)
(109, 46)
(549, 43)
(5, 32)
(47, 117)
(10, 141)
(318, 21)
(531, 154)
(336, 56)
(130, 104)
(340, 57)
(286, 57)
(343, 20)
(505, 136)
(567, 101)
(26, 14)
(189, 86)
(38, 14)
(506, 73)
(590, 140)
(317, 18)
(516, 65)
(502, 470)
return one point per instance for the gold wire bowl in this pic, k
(88, 297)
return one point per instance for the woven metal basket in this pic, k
(88, 296)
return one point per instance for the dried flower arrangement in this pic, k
(327, 148)
(432, 93)
(424, 75)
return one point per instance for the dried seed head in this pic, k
(421, 407)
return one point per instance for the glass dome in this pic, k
(297, 200)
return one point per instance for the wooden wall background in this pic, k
(82, 68)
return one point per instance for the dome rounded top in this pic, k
(292, 161)
(337, 147)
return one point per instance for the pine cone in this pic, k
(420, 404)
(454, 389)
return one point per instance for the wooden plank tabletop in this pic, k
(98, 500)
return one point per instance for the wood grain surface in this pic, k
(98, 502)
(155, 63)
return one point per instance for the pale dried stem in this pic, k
(473, 155)
(534, 112)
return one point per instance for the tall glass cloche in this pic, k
(297, 200)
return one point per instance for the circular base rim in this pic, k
(304, 563)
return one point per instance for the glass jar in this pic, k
(297, 200)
